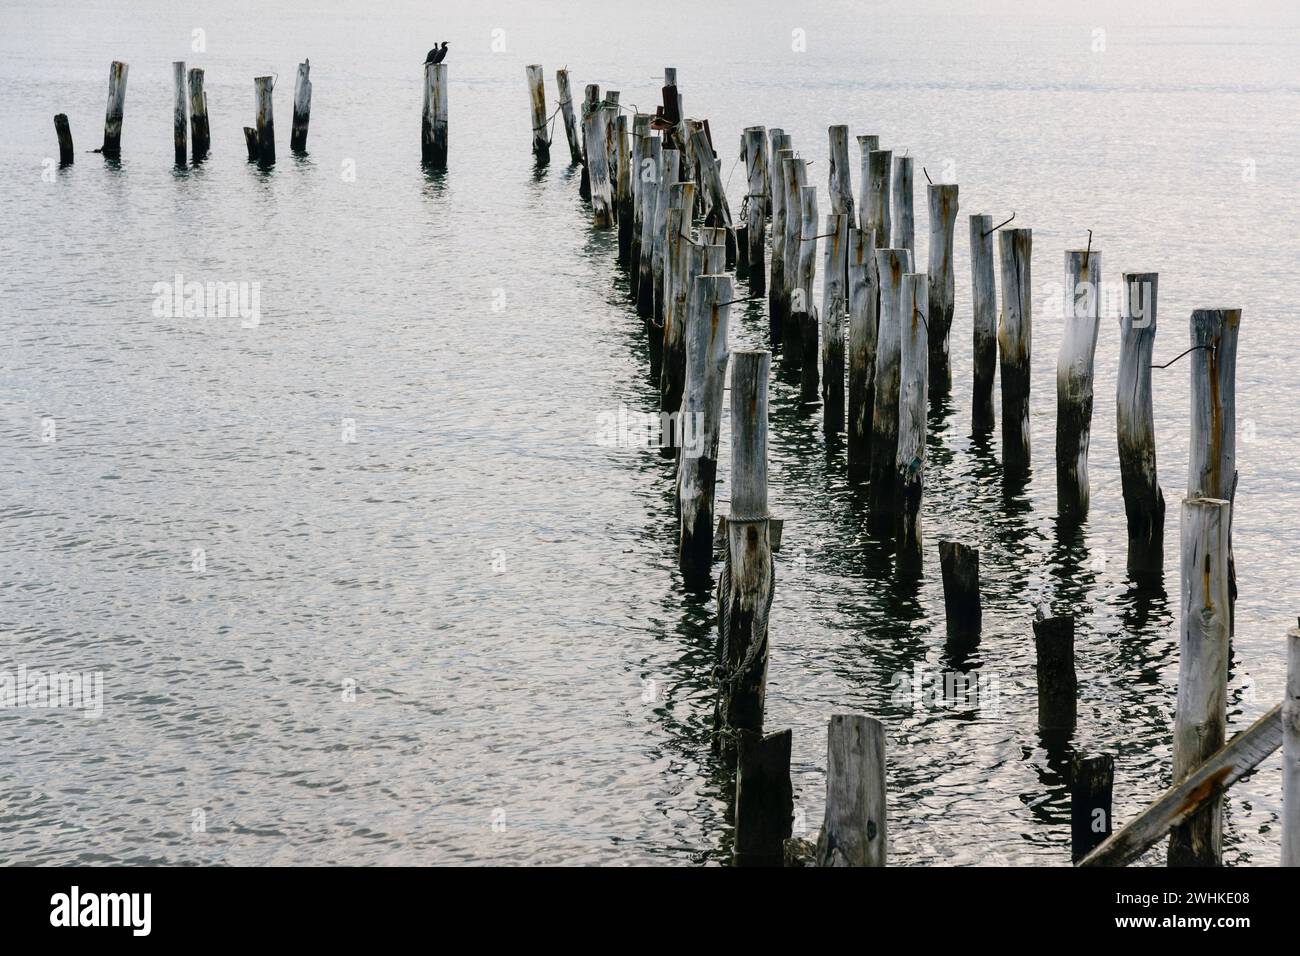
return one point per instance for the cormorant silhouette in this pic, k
(437, 54)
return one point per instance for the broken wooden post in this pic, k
(879, 162)
(1291, 752)
(302, 111)
(1057, 684)
(623, 190)
(116, 107)
(891, 264)
(263, 86)
(180, 112)
(648, 193)
(537, 101)
(960, 566)
(706, 368)
(942, 201)
(854, 832)
(803, 312)
(756, 168)
(839, 176)
(863, 300)
(745, 586)
(570, 120)
(593, 129)
(834, 318)
(867, 144)
(984, 310)
(1014, 346)
(1074, 379)
(64, 133)
(717, 212)
(199, 130)
(913, 404)
(1144, 502)
(778, 305)
(764, 800)
(1200, 718)
(1092, 781)
(904, 229)
(250, 140)
(677, 263)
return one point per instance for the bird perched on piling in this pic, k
(437, 54)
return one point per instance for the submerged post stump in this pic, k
(904, 227)
(302, 110)
(1057, 684)
(891, 264)
(756, 168)
(263, 87)
(834, 318)
(960, 566)
(250, 140)
(594, 138)
(863, 299)
(764, 800)
(1144, 502)
(1074, 379)
(909, 460)
(64, 133)
(1200, 717)
(180, 112)
(984, 310)
(854, 831)
(1014, 347)
(116, 107)
(1291, 752)
(199, 130)
(942, 201)
(1091, 785)
(570, 120)
(537, 106)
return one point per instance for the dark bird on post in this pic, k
(433, 55)
(437, 54)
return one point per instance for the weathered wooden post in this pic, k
(623, 190)
(537, 101)
(302, 110)
(802, 310)
(793, 177)
(867, 144)
(116, 107)
(1091, 786)
(909, 460)
(984, 308)
(263, 86)
(668, 175)
(1144, 502)
(756, 168)
(1291, 752)
(904, 229)
(863, 301)
(942, 200)
(840, 177)
(879, 162)
(891, 264)
(199, 130)
(960, 566)
(593, 128)
(777, 293)
(609, 105)
(1014, 346)
(834, 317)
(250, 140)
(672, 379)
(433, 134)
(180, 112)
(1200, 717)
(854, 831)
(764, 799)
(648, 192)
(1074, 379)
(717, 212)
(64, 133)
(1057, 683)
(706, 368)
(745, 586)
(570, 121)
(640, 134)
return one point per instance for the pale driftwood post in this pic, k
(1074, 379)
(909, 460)
(1091, 786)
(904, 228)
(777, 298)
(764, 800)
(1200, 717)
(745, 587)
(302, 109)
(840, 177)
(180, 112)
(570, 121)
(1057, 683)
(668, 175)
(1014, 346)
(960, 566)
(867, 144)
(942, 200)
(537, 102)
(854, 831)
(263, 86)
(1291, 752)
(433, 136)
(879, 162)
(756, 168)
(891, 264)
(834, 317)
(64, 133)
(1144, 502)
(706, 368)
(199, 130)
(116, 107)
(984, 309)
(593, 128)
(863, 301)
(802, 310)
(648, 193)
(677, 264)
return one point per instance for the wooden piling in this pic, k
(756, 168)
(1213, 453)
(116, 107)
(891, 264)
(64, 132)
(777, 293)
(433, 136)
(909, 460)
(960, 566)
(803, 312)
(764, 800)
(593, 129)
(672, 379)
(1074, 379)
(250, 140)
(302, 111)
(942, 202)
(1144, 502)
(263, 86)
(984, 310)
(180, 112)
(640, 133)
(570, 120)
(776, 139)
(879, 162)
(904, 228)
(863, 292)
(1057, 683)
(623, 190)
(1200, 716)
(668, 175)
(1291, 752)
(717, 212)
(854, 831)
(200, 132)
(1014, 346)
(839, 175)
(648, 195)
(794, 176)
(537, 103)
(609, 105)
(867, 144)
(1092, 779)
(834, 317)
